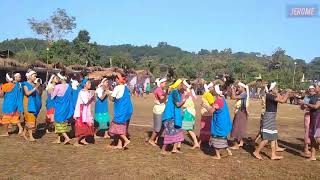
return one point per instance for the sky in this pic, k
(242, 25)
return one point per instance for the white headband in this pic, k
(30, 73)
(186, 84)
(103, 80)
(272, 85)
(217, 89)
(51, 78)
(242, 85)
(38, 80)
(159, 81)
(74, 84)
(16, 74)
(8, 77)
(61, 76)
(207, 87)
(311, 87)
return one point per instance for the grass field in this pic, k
(42, 160)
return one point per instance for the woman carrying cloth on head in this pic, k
(102, 117)
(83, 116)
(63, 109)
(269, 130)
(160, 97)
(221, 123)
(10, 106)
(172, 116)
(49, 102)
(206, 117)
(314, 129)
(31, 103)
(123, 110)
(240, 121)
(189, 115)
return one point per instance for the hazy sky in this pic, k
(243, 25)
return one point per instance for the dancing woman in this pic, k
(172, 116)
(269, 130)
(31, 103)
(63, 109)
(314, 132)
(49, 102)
(123, 110)
(240, 121)
(189, 115)
(221, 123)
(84, 124)
(160, 98)
(102, 117)
(206, 117)
(10, 106)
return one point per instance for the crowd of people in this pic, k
(70, 102)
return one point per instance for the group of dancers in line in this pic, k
(174, 112)
(70, 101)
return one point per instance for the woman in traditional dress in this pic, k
(84, 123)
(17, 81)
(206, 117)
(172, 116)
(269, 130)
(314, 132)
(49, 102)
(148, 88)
(189, 115)
(240, 121)
(10, 106)
(221, 123)
(123, 110)
(63, 109)
(307, 141)
(160, 98)
(102, 117)
(31, 103)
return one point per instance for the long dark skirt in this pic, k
(239, 126)
(314, 131)
(269, 130)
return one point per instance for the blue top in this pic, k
(123, 108)
(20, 96)
(10, 100)
(221, 121)
(74, 98)
(34, 100)
(63, 107)
(101, 105)
(171, 111)
(49, 102)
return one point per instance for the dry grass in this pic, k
(22, 160)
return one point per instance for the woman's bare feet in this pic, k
(257, 155)
(280, 149)
(5, 135)
(165, 153)
(106, 136)
(195, 146)
(31, 139)
(235, 147)
(57, 141)
(126, 143)
(76, 144)
(312, 159)
(176, 152)
(152, 143)
(216, 157)
(276, 157)
(83, 141)
(229, 152)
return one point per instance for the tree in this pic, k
(54, 28)
(86, 52)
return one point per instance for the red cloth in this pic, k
(83, 129)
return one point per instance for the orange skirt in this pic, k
(12, 118)
(30, 118)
